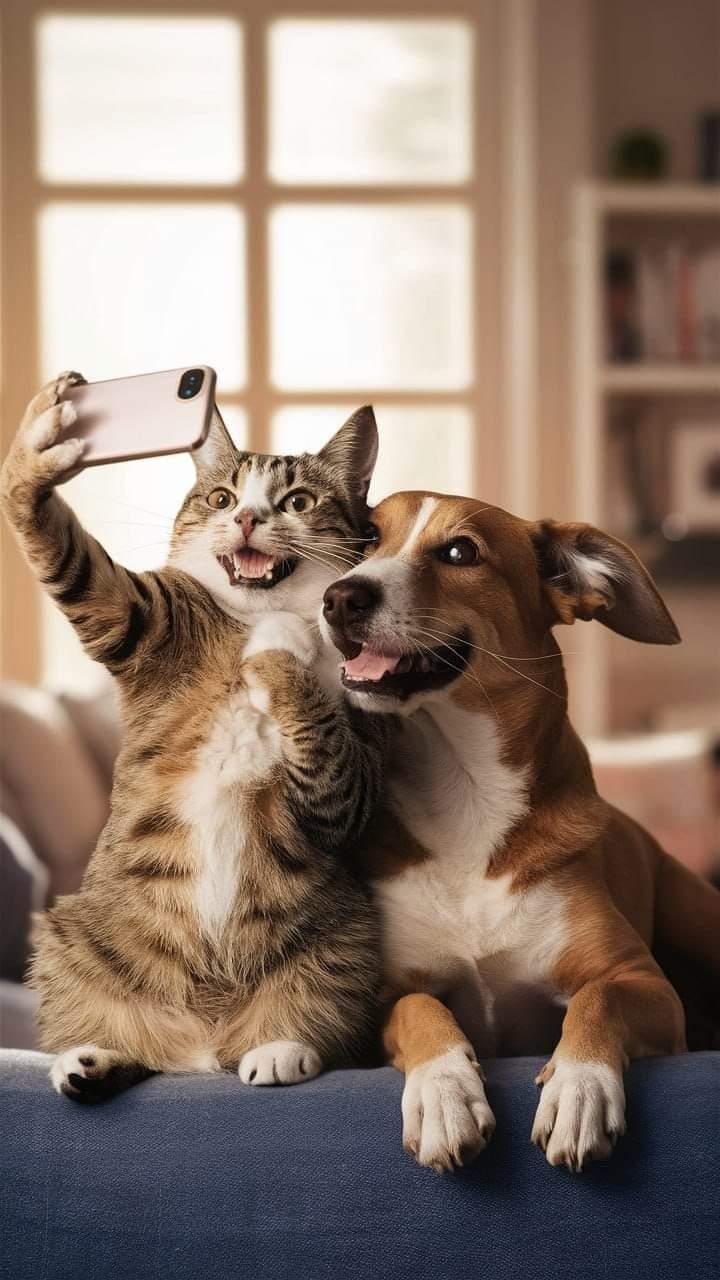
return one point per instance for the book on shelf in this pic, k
(663, 304)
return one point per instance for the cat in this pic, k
(217, 925)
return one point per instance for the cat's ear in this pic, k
(354, 449)
(217, 451)
(586, 574)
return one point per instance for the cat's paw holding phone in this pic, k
(42, 455)
(286, 632)
(280, 1062)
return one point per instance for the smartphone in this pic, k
(143, 416)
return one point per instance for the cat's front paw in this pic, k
(39, 459)
(279, 1062)
(284, 631)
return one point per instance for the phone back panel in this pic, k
(141, 417)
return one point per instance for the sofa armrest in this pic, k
(188, 1176)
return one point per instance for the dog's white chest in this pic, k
(443, 917)
(241, 747)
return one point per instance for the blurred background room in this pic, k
(497, 220)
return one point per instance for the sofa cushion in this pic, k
(54, 787)
(24, 882)
(18, 1027)
(199, 1176)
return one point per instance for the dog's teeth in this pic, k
(268, 575)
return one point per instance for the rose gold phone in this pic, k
(140, 417)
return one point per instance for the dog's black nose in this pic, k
(350, 600)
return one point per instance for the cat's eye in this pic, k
(298, 502)
(461, 551)
(221, 500)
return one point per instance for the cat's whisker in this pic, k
(305, 552)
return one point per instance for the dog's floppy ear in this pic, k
(587, 574)
(354, 449)
(217, 451)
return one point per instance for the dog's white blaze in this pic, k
(427, 506)
(443, 916)
(243, 744)
(395, 573)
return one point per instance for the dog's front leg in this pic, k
(446, 1116)
(631, 1011)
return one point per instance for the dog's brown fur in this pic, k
(621, 897)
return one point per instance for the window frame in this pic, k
(256, 193)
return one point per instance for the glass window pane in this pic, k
(367, 296)
(370, 101)
(420, 447)
(135, 99)
(129, 507)
(129, 288)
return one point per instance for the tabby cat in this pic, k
(217, 925)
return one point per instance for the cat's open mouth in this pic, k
(251, 568)
(399, 675)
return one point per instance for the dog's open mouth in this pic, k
(399, 675)
(251, 568)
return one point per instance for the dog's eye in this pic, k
(220, 499)
(298, 502)
(371, 536)
(460, 551)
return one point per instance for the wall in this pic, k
(657, 65)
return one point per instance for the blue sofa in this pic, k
(200, 1178)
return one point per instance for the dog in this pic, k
(510, 890)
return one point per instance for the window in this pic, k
(290, 199)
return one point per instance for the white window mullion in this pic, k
(257, 212)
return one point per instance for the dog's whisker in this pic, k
(425, 648)
(506, 657)
(523, 674)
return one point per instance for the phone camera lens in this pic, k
(190, 383)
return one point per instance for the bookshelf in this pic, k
(598, 208)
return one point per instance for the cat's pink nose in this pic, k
(247, 519)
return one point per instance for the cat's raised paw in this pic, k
(279, 1062)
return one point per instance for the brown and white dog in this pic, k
(500, 871)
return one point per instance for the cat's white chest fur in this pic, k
(242, 745)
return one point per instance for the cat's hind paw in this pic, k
(279, 1062)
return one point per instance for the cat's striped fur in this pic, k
(217, 914)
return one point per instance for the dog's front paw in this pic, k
(581, 1112)
(279, 1062)
(447, 1119)
(284, 631)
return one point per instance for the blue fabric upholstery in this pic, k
(198, 1178)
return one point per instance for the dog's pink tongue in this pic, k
(371, 666)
